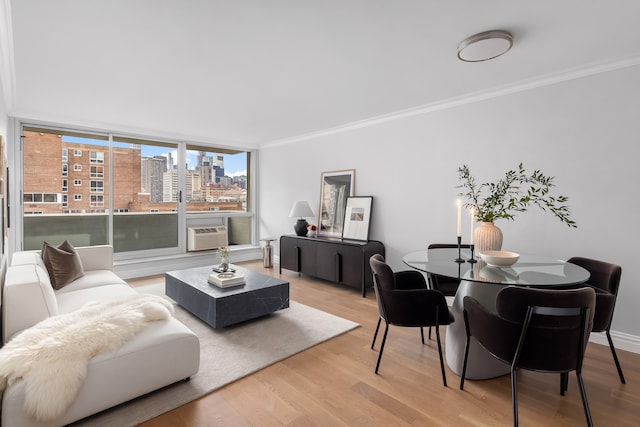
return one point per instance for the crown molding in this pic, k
(521, 86)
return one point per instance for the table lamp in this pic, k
(301, 210)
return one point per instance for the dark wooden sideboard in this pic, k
(340, 261)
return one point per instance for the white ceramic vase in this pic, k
(487, 237)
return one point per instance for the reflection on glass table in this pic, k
(530, 270)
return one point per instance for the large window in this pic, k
(144, 220)
(137, 193)
(217, 184)
(216, 181)
(76, 217)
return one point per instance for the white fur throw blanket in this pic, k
(52, 356)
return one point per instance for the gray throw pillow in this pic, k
(62, 262)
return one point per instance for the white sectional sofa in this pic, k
(163, 353)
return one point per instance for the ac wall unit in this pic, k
(204, 238)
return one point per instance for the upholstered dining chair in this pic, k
(535, 329)
(405, 300)
(447, 286)
(605, 280)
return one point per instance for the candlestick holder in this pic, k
(459, 259)
(472, 260)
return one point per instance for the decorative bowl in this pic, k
(499, 258)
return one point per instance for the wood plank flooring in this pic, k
(333, 383)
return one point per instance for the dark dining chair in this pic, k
(446, 285)
(605, 280)
(534, 329)
(405, 300)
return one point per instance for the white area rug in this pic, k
(229, 354)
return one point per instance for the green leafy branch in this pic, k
(511, 194)
(223, 252)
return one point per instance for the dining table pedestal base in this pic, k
(480, 364)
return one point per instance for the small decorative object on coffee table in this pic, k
(223, 252)
(226, 279)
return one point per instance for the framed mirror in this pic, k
(335, 187)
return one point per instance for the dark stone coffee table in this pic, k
(220, 307)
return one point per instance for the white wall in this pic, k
(585, 132)
(3, 114)
(3, 146)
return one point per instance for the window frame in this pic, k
(186, 218)
(96, 174)
(94, 157)
(96, 188)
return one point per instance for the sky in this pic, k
(234, 164)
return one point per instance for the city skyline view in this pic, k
(126, 193)
(83, 175)
(234, 164)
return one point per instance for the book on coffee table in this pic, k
(225, 280)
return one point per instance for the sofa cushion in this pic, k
(71, 301)
(93, 279)
(62, 262)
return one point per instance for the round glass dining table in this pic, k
(483, 282)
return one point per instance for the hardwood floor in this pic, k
(333, 383)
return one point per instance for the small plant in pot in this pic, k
(223, 253)
(513, 193)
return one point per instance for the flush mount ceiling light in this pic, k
(485, 46)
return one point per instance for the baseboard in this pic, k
(621, 340)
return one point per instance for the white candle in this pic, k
(472, 214)
(459, 203)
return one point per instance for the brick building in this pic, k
(67, 177)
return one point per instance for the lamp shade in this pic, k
(301, 210)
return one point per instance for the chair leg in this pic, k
(429, 332)
(422, 334)
(585, 403)
(375, 334)
(564, 382)
(615, 357)
(444, 374)
(384, 340)
(514, 395)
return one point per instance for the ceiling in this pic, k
(255, 72)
